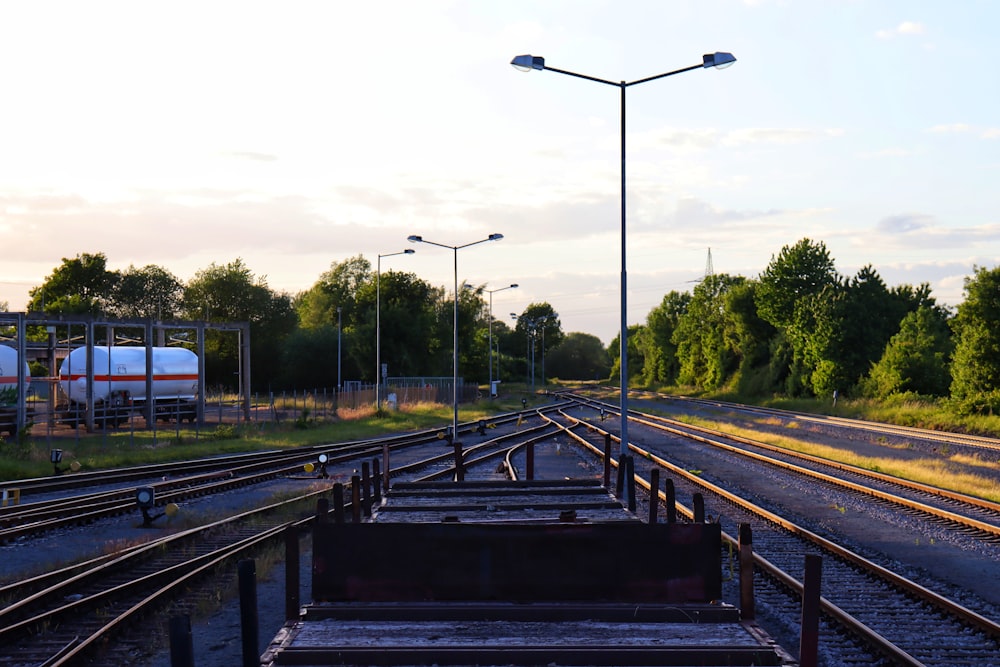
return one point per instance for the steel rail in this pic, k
(867, 634)
(958, 611)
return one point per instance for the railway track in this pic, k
(949, 438)
(858, 593)
(65, 616)
(779, 550)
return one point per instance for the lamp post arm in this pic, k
(474, 243)
(665, 74)
(582, 76)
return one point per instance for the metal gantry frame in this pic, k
(21, 321)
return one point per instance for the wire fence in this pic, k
(51, 417)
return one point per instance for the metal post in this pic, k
(491, 344)
(698, 502)
(366, 496)
(670, 494)
(291, 573)
(245, 369)
(623, 338)
(747, 607)
(21, 419)
(338, 503)
(630, 481)
(339, 385)
(149, 409)
(376, 482)
(654, 493)
(385, 468)
(809, 640)
(181, 645)
(454, 361)
(378, 336)
(323, 508)
(607, 460)
(248, 613)
(355, 499)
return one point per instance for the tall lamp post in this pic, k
(526, 63)
(338, 349)
(378, 325)
(413, 238)
(490, 292)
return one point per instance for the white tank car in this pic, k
(120, 373)
(8, 375)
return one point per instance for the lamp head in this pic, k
(528, 63)
(718, 60)
(495, 237)
(413, 238)
(409, 251)
(514, 285)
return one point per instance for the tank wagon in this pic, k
(8, 388)
(120, 383)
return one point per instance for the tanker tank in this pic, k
(120, 380)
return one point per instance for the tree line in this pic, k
(326, 335)
(798, 329)
(802, 329)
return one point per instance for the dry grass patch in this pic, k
(947, 473)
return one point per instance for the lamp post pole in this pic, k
(490, 292)
(414, 238)
(526, 63)
(338, 349)
(378, 325)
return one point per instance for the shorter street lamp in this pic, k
(490, 292)
(414, 238)
(378, 325)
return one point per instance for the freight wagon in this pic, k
(119, 383)
(8, 389)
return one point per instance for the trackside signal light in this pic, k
(145, 497)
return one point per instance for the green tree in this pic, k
(975, 366)
(151, 292)
(337, 288)
(750, 338)
(78, 286)
(655, 340)
(538, 330)
(635, 358)
(846, 327)
(916, 359)
(408, 327)
(799, 271)
(580, 356)
(706, 357)
(232, 293)
(786, 297)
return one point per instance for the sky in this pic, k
(295, 135)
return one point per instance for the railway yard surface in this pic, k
(957, 562)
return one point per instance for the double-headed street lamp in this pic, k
(490, 292)
(527, 63)
(378, 325)
(413, 238)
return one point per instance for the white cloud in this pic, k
(904, 28)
